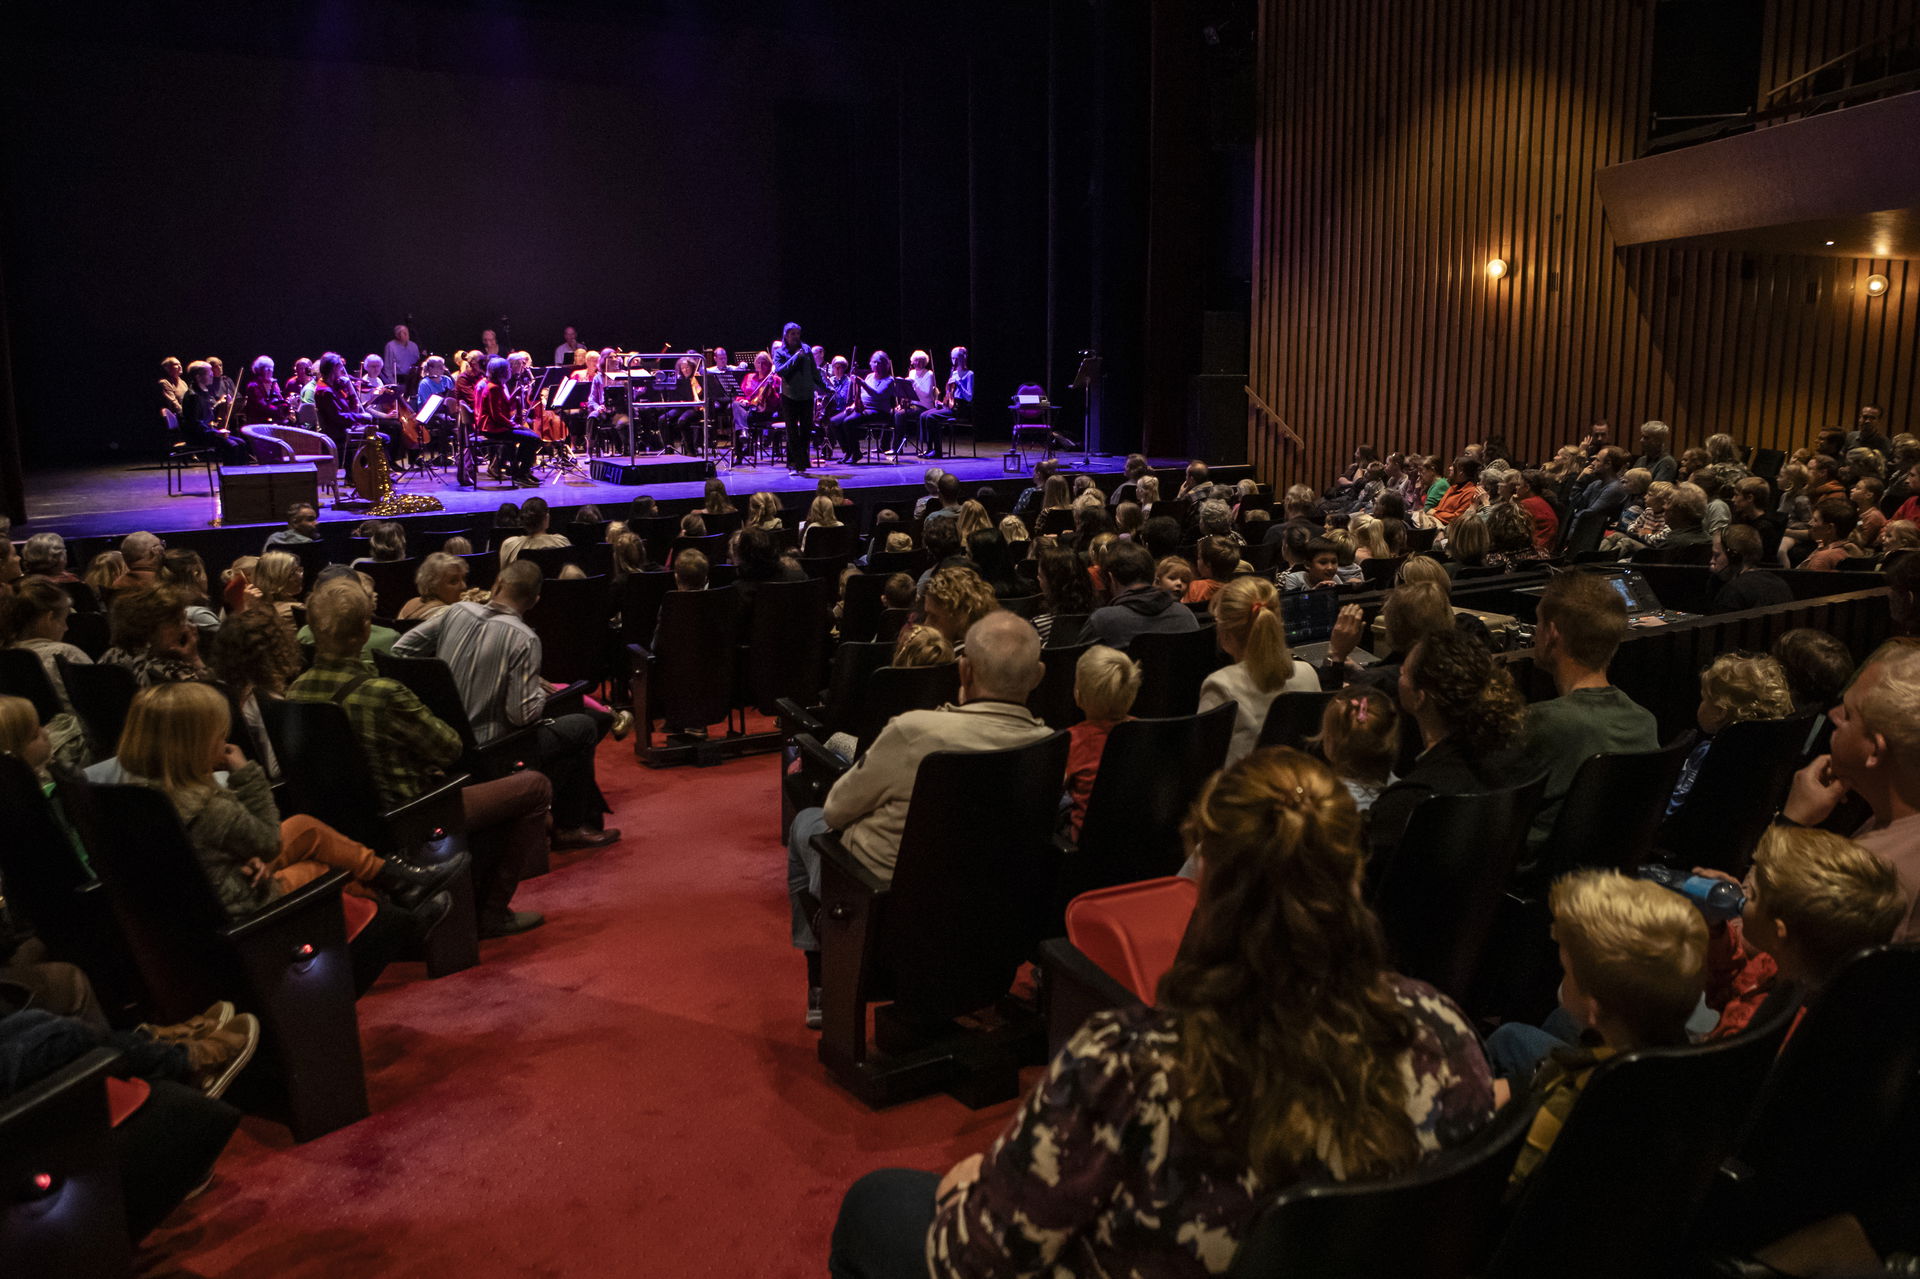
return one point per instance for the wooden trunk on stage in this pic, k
(261, 494)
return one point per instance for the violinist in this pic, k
(956, 404)
(753, 407)
(878, 400)
(261, 399)
(585, 414)
(379, 399)
(494, 418)
(433, 381)
(337, 406)
(473, 371)
(519, 380)
(302, 379)
(202, 415)
(842, 409)
(222, 384)
(919, 400)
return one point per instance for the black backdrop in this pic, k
(235, 178)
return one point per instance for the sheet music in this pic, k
(428, 409)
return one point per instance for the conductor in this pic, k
(800, 381)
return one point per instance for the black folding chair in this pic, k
(22, 675)
(1619, 1191)
(100, 696)
(1149, 774)
(1440, 890)
(968, 903)
(1740, 786)
(688, 679)
(392, 583)
(1438, 1220)
(1173, 665)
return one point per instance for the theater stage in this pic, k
(112, 499)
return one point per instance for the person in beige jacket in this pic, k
(868, 805)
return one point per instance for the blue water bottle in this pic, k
(1718, 900)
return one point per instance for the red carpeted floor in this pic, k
(627, 1091)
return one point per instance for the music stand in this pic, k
(1087, 381)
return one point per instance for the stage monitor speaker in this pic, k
(1217, 417)
(1223, 342)
(261, 494)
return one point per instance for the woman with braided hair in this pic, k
(1281, 1048)
(1469, 716)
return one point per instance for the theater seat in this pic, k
(1133, 931)
(61, 1210)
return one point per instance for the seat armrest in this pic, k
(852, 900)
(837, 863)
(796, 719)
(297, 906)
(1075, 988)
(492, 759)
(567, 701)
(817, 758)
(414, 822)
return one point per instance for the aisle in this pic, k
(627, 1091)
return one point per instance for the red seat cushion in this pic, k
(359, 912)
(124, 1096)
(1133, 931)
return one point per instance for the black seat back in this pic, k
(972, 890)
(1293, 718)
(1150, 772)
(1613, 810)
(820, 541)
(892, 621)
(431, 680)
(636, 599)
(1052, 699)
(1173, 665)
(693, 676)
(713, 546)
(1064, 632)
(59, 1127)
(1739, 787)
(595, 559)
(1619, 1189)
(89, 633)
(1441, 889)
(1437, 1221)
(392, 583)
(22, 675)
(893, 690)
(100, 695)
(570, 618)
(324, 767)
(1841, 1105)
(786, 639)
(853, 664)
(860, 607)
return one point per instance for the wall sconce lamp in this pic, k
(1496, 268)
(1876, 285)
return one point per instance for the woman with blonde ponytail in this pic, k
(1281, 1049)
(1246, 614)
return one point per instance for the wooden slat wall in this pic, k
(1403, 143)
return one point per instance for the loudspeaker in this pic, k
(261, 494)
(1223, 342)
(1217, 418)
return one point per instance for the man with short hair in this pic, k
(999, 668)
(1750, 502)
(947, 489)
(1832, 521)
(1137, 607)
(495, 659)
(569, 343)
(302, 527)
(1027, 505)
(1875, 753)
(928, 501)
(1579, 624)
(408, 751)
(402, 355)
(142, 552)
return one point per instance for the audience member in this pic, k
(1250, 630)
(1743, 583)
(1734, 688)
(1220, 558)
(1579, 624)
(141, 552)
(1105, 684)
(381, 638)
(999, 668)
(1160, 1132)
(1137, 606)
(1875, 753)
(1318, 569)
(1360, 740)
(255, 656)
(1462, 494)
(495, 659)
(1817, 667)
(34, 617)
(441, 580)
(954, 599)
(45, 555)
(690, 571)
(409, 751)
(151, 638)
(1470, 718)
(534, 518)
(279, 579)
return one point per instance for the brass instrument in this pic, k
(373, 483)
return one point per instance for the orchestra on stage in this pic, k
(494, 412)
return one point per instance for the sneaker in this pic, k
(815, 997)
(622, 725)
(514, 921)
(216, 1057)
(193, 1027)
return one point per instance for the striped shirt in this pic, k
(495, 659)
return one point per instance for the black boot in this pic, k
(407, 883)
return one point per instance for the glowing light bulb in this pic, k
(1496, 268)
(1876, 285)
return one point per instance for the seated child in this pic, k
(898, 590)
(1320, 569)
(1220, 557)
(1105, 682)
(690, 571)
(1813, 899)
(915, 646)
(693, 524)
(898, 542)
(1633, 955)
(1360, 740)
(1174, 576)
(1734, 688)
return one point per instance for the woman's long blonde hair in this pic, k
(278, 577)
(171, 733)
(1290, 1032)
(1248, 609)
(820, 514)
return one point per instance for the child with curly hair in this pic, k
(1734, 688)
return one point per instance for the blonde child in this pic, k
(1246, 614)
(1734, 688)
(1360, 740)
(1633, 957)
(1174, 575)
(915, 646)
(1105, 683)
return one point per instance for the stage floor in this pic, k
(104, 500)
